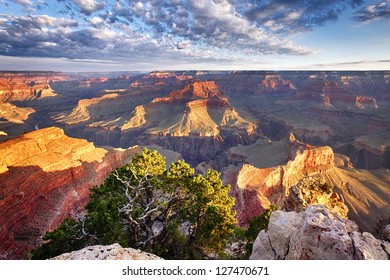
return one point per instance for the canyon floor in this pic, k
(265, 131)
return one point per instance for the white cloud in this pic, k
(25, 3)
(89, 6)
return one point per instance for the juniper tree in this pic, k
(175, 213)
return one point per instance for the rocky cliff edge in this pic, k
(316, 234)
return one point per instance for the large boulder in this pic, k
(110, 252)
(317, 234)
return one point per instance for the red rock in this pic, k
(196, 90)
(44, 177)
(255, 189)
(20, 86)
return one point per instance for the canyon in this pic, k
(46, 176)
(289, 138)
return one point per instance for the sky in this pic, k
(124, 35)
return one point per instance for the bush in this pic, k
(256, 225)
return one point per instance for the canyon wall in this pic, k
(44, 177)
(291, 177)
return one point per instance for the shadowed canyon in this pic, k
(273, 135)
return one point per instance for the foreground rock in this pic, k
(316, 234)
(44, 177)
(111, 252)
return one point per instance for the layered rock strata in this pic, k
(256, 188)
(44, 177)
(316, 234)
(360, 194)
(22, 86)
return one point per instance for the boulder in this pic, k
(110, 252)
(317, 234)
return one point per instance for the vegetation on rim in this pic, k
(173, 212)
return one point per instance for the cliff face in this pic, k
(44, 177)
(27, 85)
(272, 184)
(316, 234)
(296, 178)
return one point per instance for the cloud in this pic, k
(88, 7)
(211, 23)
(293, 16)
(167, 30)
(377, 11)
(350, 64)
(25, 3)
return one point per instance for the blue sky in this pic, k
(109, 35)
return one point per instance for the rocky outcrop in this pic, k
(192, 91)
(363, 194)
(386, 233)
(21, 86)
(314, 190)
(316, 234)
(260, 83)
(272, 185)
(138, 118)
(110, 252)
(44, 177)
(363, 102)
(368, 152)
(14, 114)
(274, 84)
(200, 110)
(106, 105)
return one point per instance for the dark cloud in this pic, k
(377, 11)
(356, 3)
(284, 16)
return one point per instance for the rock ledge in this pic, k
(316, 234)
(110, 252)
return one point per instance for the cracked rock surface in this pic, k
(110, 252)
(316, 234)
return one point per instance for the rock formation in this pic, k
(22, 86)
(44, 177)
(110, 252)
(316, 234)
(314, 190)
(362, 102)
(386, 233)
(364, 195)
(99, 107)
(272, 184)
(204, 113)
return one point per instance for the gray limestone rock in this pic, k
(316, 234)
(110, 252)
